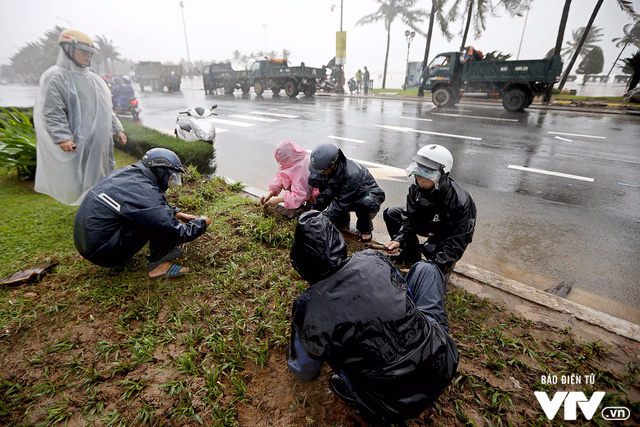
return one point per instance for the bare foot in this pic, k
(163, 268)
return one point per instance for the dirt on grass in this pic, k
(88, 345)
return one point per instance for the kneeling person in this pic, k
(128, 208)
(385, 338)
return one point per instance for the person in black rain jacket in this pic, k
(128, 208)
(437, 208)
(385, 338)
(345, 186)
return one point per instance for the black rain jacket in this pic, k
(350, 186)
(125, 210)
(448, 213)
(361, 321)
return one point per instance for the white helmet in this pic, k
(431, 158)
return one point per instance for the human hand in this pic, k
(263, 199)
(68, 146)
(206, 219)
(121, 137)
(393, 246)
(272, 202)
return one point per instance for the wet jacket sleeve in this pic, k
(115, 123)
(54, 112)
(409, 219)
(161, 223)
(301, 365)
(347, 193)
(449, 250)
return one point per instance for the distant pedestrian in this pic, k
(345, 186)
(291, 179)
(366, 78)
(359, 80)
(74, 123)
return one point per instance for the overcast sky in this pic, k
(153, 30)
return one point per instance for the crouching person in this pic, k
(128, 208)
(345, 186)
(385, 338)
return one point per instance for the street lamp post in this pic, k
(186, 42)
(409, 36)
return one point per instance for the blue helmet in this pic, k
(323, 157)
(162, 158)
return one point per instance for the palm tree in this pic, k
(388, 11)
(632, 66)
(477, 12)
(625, 5)
(585, 34)
(631, 36)
(592, 63)
(558, 48)
(436, 9)
(107, 51)
(594, 37)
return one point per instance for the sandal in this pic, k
(173, 271)
(366, 239)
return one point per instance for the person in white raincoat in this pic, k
(74, 122)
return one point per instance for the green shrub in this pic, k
(17, 143)
(141, 139)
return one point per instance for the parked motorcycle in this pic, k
(352, 85)
(196, 125)
(131, 110)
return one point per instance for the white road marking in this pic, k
(260, 119)
(545, 172)
(401, 129)
(475, 117)
(220, 130)
(166, 131)
(563, 139)
(359, 141)
(416, 118)
(233, 123)
(264, 113)
(577, 134)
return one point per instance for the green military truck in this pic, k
(277, 75)
(452, 75)
(221, 75)
(158, 76)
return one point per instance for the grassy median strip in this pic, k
(89, 345)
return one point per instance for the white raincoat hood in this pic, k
(73, 103)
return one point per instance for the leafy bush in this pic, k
(17, 143)
(141, 139)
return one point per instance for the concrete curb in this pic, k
(529, 293)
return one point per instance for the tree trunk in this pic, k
(616, 61)
(558, 48)
(386, 57)
(466, 30)
(584, 37)
(635, 78)
(425, 61)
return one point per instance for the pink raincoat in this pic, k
(292, 175)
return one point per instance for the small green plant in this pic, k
(17, 143)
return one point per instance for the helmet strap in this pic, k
(69, 50)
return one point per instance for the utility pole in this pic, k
(185, 32)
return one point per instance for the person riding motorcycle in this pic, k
(122, 93)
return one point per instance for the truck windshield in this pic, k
(440, 61)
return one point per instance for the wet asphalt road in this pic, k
(581, 228)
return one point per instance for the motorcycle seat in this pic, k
(185, 125)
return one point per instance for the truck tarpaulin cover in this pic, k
(361, 321)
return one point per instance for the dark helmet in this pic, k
(323, 157)
(162, 158)
(318, 249)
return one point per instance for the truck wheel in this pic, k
(275, 90)
(443, 97)
(228, 88)
(529, 100)
(290, 89)
(309, 90)
(515, 100)
(258, 87)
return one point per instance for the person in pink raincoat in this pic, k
(292, 177)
